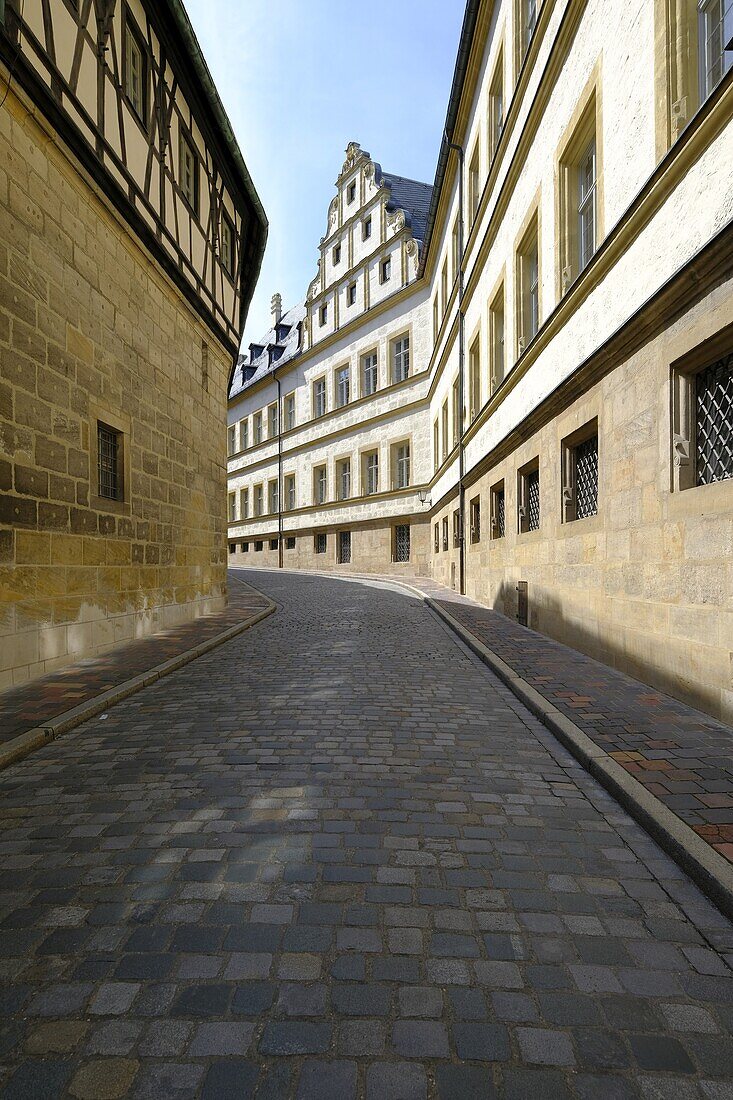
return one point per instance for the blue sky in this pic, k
(302, 78)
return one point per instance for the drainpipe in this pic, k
(2, 13)
(279, 474)
(461, 401)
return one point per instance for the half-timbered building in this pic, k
(130, 242)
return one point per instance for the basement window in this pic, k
(109, 462)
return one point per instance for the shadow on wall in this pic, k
(632, 651)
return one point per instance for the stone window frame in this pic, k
(528, 244)
(290, 490)
(274, 543)
(290, 406)
(385, 270)
(244, 433)
(683, 371)
(456, 528)
(244, 503)
(343, 538)
(497, 490)
(457, 411)
(337, 384)
(321, 468)
(315, 414)
(259, 545)
(336, 254)
(395, 540)
(365, 454)
(474, 512)
(121, 424)
(323, 315)
(366, 228)
(522, 497)
(474, 376)
(445, 533)
(445, 421)
(436, 537)
(444, 287)
(231, 440)
(320, 542)
(454, 247)
(406, 460)
(496, 309)
(436, 445)
(339, 464)
(351, 294)
(244, 547)
(257, 428)
(568, 486)
(273, 498)
(232, 507)
(400, 349)
(372, 352)
(290, 542)
(524, 30)
(496, 118)
(584, 129)
(273, 420)
(258, 499)
(350, 192)
(436, 317)
(473, 183)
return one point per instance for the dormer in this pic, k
(255, 351)
(274, 352)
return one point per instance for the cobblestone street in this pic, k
(335, 858)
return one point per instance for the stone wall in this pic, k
(371, 551)
(645, 585)
(91, 330)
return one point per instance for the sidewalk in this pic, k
(62, 699)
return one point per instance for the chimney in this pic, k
(276, 308)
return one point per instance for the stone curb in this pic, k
(710, 871)
(18, 747)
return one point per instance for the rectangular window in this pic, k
(385, 270)
(272, 421)
(351, 192)
(578, 195)
(436, 444)
(496, 106)
(109, 462)
(351, 294)
(436, 538)
(273, 544)
(475, 517)
(456, 527)
(290, 542)
(474, 380)
(498, 511)
(319, 397)
(371, 473)
(244, 503)
(401, 465)
(274, 497)
(366, 228)
(456, 411)
(258, 545)
(232, 439)
(232, 507)
(715, 36)
(323, 315)
(320, 484)
(136, 70)
(369, 374)
(289, 411)
(189, 172)
(289, 486)
(259, 500)
(474, 191)
(587, 205)
(529, 287)
(226, 244)
(444, 423)
(343, 547)
(342, 386)
(320, 542)
(444, 287)
(401, 550)
(436, 318)
(257, 427)
(232, 547)
(336, 254)
(455, 248)
(343, 476)
(528, 497)
(496, 338)
(702, 435)
(580, 474)
(527, 25)
(243, 435)
(445, 532)
(401, 359)
(245, 548)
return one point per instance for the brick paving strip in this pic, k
(36, 712)
(669, 764)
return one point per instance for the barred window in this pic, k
(344, 547)
(714, 422)
(402, 542)
(580, 474)
(498, 511)
(109, 462)
(320, 542)
(529, 497)
(475, 512)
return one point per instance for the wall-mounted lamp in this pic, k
(422, 496)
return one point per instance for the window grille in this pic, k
(499, 516)
(401, 359)
(370, 373)
(402, 542)
(587, 206)
(714, 421)
(344, 545)
(321, 543)
(586, 478)
(532, 495)
(108, 462)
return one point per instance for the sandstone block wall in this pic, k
(91, 330)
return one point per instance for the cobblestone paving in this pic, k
(336, 859)
(29, 705)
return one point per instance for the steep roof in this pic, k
(275, 349)
(411, 196)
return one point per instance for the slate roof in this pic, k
(248, 370)
(413, 197)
